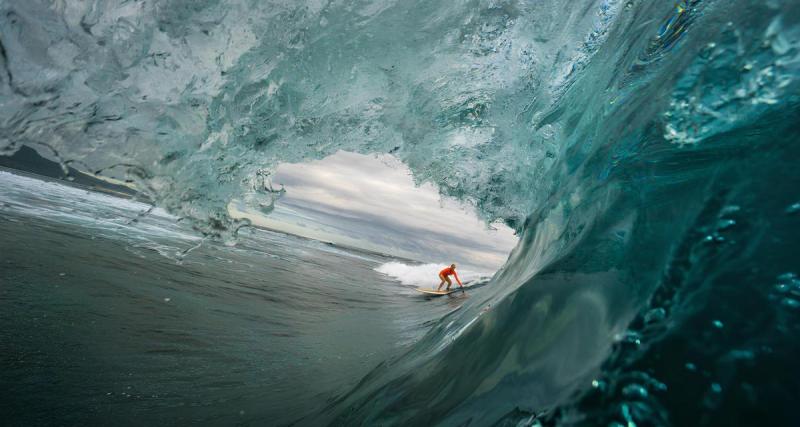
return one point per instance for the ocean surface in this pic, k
(646, 153)
(111, 316)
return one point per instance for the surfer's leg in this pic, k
(449, 283)
(441, 278)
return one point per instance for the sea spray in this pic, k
(425, 275)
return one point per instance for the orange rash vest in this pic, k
(447, 271)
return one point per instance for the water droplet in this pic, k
(691, 366)
(790, 303)
(717, 324)
(730, 209)
(635, 391)
(630, 337)
(167, 299)
(793, 208)
(655, 315)
(626, 411)
(725, 224)
(716, 388)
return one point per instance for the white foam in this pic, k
(424, 274)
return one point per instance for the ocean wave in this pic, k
(425, 275)
(644, 151)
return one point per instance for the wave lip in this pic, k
(606, 133)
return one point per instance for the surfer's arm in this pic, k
(457, 279)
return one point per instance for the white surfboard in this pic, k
(435, 292)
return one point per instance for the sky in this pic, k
(371, 202)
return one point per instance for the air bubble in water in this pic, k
(793, 208)
(635, 391)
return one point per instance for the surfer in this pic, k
(443, 275)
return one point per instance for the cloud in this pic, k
(372, 202)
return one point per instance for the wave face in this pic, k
(645, 151)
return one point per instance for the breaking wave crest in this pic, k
(645, 152)
(424, 275)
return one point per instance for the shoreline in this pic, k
(88, 187)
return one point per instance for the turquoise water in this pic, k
(645, 152)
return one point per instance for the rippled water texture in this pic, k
(110, 317)
(645, 151)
